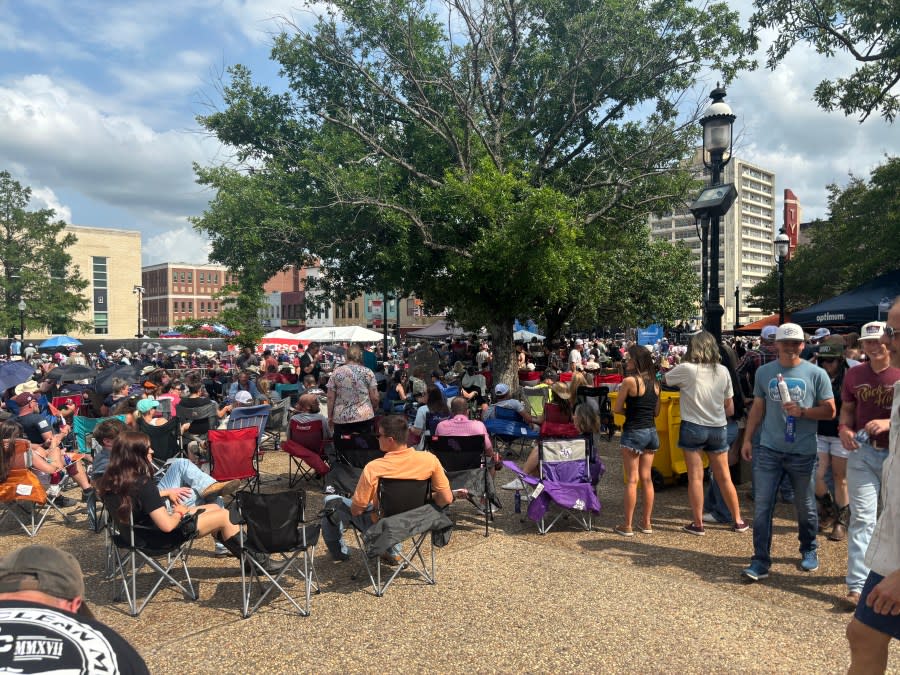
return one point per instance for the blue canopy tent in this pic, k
(868, 302)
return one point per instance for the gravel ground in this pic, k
(515, 601)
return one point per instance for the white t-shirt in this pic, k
(575, 357)
(704, 389)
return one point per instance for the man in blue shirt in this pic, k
(811, 400)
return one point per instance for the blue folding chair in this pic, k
(507, 428)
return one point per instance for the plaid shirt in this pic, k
(460, 425)
(753, 359)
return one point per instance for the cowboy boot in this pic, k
(826, 510)
(839, 533)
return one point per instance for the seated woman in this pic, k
(49, 464)
(586, 421)
(396, 391)
(127, 488)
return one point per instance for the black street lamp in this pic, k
(737, 307)
(782, 248)
(22, 308)
(717, 123)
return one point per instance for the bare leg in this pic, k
(695, 485)
(868, 649)
(646, 476)
(718, 462)
(839, 473)
(630, 461)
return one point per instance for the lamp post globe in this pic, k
(718, 124)
(22, 308)
(782, 248)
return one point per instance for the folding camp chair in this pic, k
(305, 448)
(233, 455)
(289, 391)
(604, 408)
(405, 512)
(536, 398)
(276, 423)
(351, 454)
(256, 416)
(165, 439)
(165, 407)
(276, 524)
(507, 429)
(132, 546)
(24, 496)
(565, 482)
(464, 463)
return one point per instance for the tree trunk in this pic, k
(505, 367)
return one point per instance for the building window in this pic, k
(174, 276)
(182, 277)
(101, 309)
(190, 277)
(201, 277)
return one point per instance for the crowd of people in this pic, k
(811, 413)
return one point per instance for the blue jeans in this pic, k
(864, 485)
(769, 468)
(712, 501)
(333, 535)
(184, 473)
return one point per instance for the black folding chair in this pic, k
(132, 546)
(276, 525)
(604, 408)
(464, 463)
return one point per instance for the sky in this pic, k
(98, 107)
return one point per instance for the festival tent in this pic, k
(279, 338)
(339, 334)
(439, 329)
(868, 302)
(759, 324)
(526, 336)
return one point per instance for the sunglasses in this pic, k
(890, 332)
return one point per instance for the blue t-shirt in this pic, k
(808, 384)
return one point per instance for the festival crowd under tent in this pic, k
(868, 302)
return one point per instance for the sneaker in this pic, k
(740, 527)
(63, 502)
(514, 484)
(810, 561)
(756, 572)
(220, 550)
(340, 557)
(391, 559)
(710, 518)
(696, 530)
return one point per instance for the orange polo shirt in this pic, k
(407, 463)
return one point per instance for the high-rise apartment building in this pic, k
(746, 236)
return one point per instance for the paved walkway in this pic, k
(515, 601)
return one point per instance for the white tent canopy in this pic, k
(526, 335)
(339, 334)
(280, 334)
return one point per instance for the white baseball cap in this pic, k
(789, 331)
(821, 334)
(768, 332)
(872, 331)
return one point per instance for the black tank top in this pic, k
(640, 411)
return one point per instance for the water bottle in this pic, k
(790, 426)
(862, 436)
(518, 502)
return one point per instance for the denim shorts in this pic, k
(830, 445)
(640, 441)
(698, 437)
(883, 623)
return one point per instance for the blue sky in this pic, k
(98, 102)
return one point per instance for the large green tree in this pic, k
(497, 159)
(867, 30)
(859, 241)
(36, 267)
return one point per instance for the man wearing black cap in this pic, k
(45, 625)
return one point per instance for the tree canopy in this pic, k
(36, 266)
(859, 241)
(499, 160)
(868, 30)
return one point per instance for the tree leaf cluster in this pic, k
(868, 30)
(36, 267)
(859, 241)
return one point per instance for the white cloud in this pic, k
(45, 198)
(180, 244)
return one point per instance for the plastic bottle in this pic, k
(518, 502)
(862, 436)
(790, 423)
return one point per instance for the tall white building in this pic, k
(746, 236)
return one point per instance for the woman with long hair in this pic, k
(638, 401)
(435, 408)
(352, 395)
(707, 400)
(127, 488)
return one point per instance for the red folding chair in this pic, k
(233, 455)
(305, 448)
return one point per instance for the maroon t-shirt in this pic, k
(872, 393)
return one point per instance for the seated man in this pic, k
(307, 410)
(46, 625)
(243, 383)
(310, 386)
(502, 400)
(460, 425)
(399, 461)
(437, 381)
